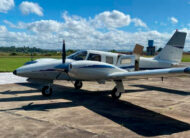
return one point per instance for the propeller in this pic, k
(64, 67)
(63, 52)
(138, 50)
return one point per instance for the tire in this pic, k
(115, 95)
(47, 91)
(78, 85)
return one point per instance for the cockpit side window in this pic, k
(109, 59)
(94, 57)
(78, 55)
(125, 61)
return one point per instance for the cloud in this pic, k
(10, 24)
(3, 28)
(30, 7)
(173, 20)
(6, 5)
(42, 26)
(115, 19)
(80, 33)
(139, 22)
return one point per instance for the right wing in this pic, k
(172, 72)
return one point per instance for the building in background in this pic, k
(150, 51)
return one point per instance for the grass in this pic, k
(10, 63)
(186, 58)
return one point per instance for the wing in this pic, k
(151, 73)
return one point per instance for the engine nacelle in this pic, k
(91, 70)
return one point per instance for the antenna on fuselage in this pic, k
(63, 52)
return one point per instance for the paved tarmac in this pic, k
(149, 108)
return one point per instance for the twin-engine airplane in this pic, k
(99, 66)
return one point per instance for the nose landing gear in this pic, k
(78, 85)
(47, 91)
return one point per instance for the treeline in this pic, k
(28, 51)
(24, 49)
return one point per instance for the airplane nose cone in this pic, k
(15, 72)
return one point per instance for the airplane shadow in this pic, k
(138, 119)
(165, 90)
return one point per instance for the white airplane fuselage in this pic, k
(152, 63)
(78, 70)
(86, 69)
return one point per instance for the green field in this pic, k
(10, 63)
(186, 58)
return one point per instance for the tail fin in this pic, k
(173, 50)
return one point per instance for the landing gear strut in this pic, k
(118, 89)
(47, 91)
(78, 84)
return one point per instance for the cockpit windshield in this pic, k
(81, 55)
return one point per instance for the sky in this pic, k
(87, 24)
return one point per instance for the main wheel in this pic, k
(46, 91)
(78, 84)
(115, 94)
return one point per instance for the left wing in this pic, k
(151, 73)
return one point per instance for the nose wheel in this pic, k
(115, 93)
(47, 91)
(78, 84)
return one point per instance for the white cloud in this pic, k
(139, 22)
(112, 19)
(173, 20)
(79, 33)
(3, 29)
(115, 19)
(10, 24)
(6, 5)
(30, 7)
(42, 26)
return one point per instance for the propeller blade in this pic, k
(63, 52)
(138, 50)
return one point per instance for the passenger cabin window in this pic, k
(81, 55)
(94, 57)
(109, 60)
(125, 61)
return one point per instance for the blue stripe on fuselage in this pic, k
(127, 67)
(149, 68)
(97, 66)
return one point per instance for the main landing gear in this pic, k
(47, 90)
(78, 84)
(118, 90)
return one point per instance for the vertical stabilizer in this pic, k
(173, 50)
